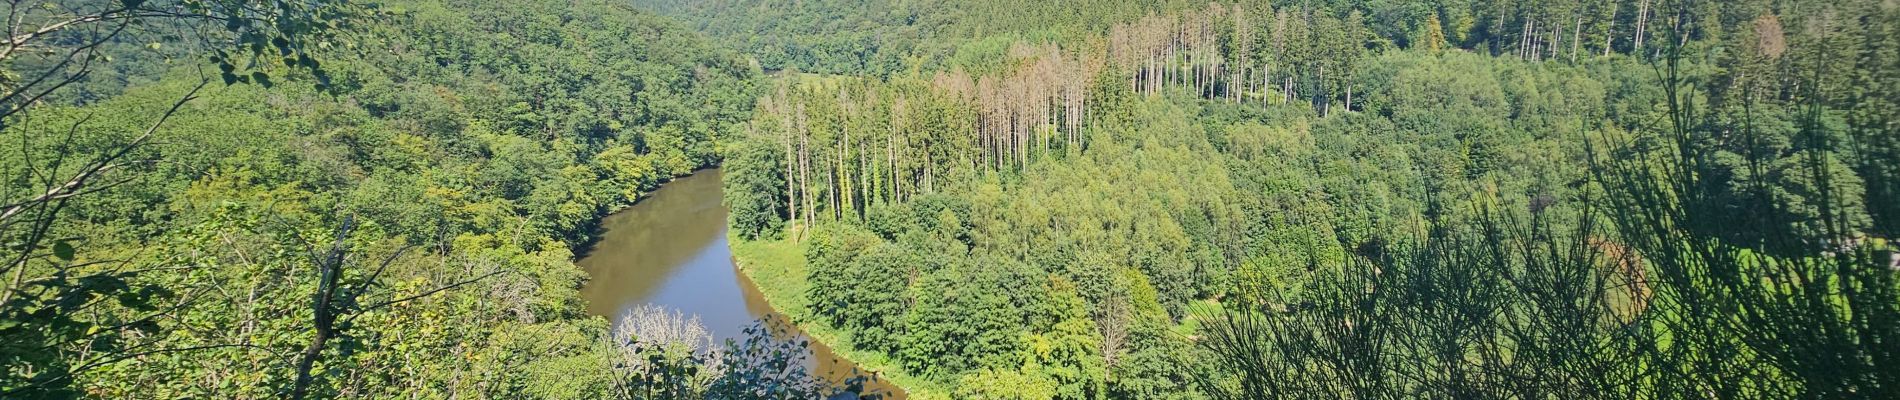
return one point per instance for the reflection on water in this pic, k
(671, 250)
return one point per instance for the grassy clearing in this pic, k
(1190, 326)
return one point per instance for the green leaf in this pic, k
(103, 284)
(134, 300)
(63, 251)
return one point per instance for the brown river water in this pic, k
(670, 249)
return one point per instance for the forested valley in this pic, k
(970, 199)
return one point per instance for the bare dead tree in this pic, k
(1112, 320)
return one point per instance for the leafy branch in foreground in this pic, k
(50, 305)
(667, 355)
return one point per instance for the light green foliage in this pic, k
(483, 136)
(1057, 361)
(1027, 384)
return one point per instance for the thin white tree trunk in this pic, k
(1642, 26)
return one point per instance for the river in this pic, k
(670, 249)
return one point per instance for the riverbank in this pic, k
(778, 268)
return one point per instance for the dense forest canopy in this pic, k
(971, 198)
(1618, 199)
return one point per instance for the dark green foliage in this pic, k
(968, 316)
(756, 209)
(858, 282)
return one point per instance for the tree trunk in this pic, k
(1523, 38)
(791, 177)
(1642, 26)
(1149, 74)
(804, 175)
(1576, 38)
(831, 186)
(1609, 33)
(1534, 49)
(890, 161)
(1289, 88)
(323, 314)
(1553, 41)
(865, 186)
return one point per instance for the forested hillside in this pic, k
(1619, 199)
(973, 199)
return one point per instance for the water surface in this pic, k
(670, 249)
